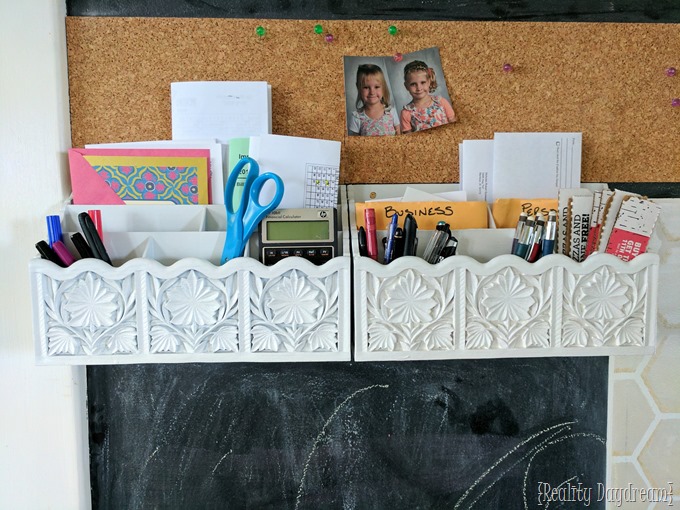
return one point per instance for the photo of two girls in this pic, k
(384, 97)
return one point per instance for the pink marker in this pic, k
(371, 235)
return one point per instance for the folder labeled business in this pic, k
(459, 215)
(117, 176)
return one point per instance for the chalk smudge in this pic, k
(322, 433)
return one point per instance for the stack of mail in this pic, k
(520, 165)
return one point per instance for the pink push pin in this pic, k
(398, 57)
(507, 68)
(675, 102)
(670, 71)
(329, 38)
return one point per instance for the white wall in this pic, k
(43, 433)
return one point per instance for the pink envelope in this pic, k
(90, 188)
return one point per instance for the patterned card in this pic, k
(171, 179)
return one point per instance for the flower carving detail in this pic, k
(89, 303)
(193, 313)
(604, 308)
(293, 300)
(409, 299)
(410, 312)
(90, 315)
(603, 297)
(508, 309)
(507, 298)
(294, 312)
(193, 301)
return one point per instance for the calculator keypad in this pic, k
(318, 256)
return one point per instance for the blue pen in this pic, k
(518, 231)
(391, 230)
(525, 240)
(550, 234)
(53, 229)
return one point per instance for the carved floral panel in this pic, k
(90, 315)
(410, 312)
(193, 313)
(508, 310)
(604, 308)
(294, 312)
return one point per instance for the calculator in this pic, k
(310, 233)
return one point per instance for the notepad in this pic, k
(220, 109)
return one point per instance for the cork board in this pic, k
(607, 81)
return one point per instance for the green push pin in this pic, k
(392, 30)
(260, 31)
(318, 29)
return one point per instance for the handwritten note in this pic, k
(459, 215)
(506, 211)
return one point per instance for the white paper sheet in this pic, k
(310, 169)
(477, 169)
(460, 165)
(220, 109)
(218, 171)
(416, 195)
(535, 165)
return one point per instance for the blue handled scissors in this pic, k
(244, 220)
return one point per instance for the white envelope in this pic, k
(476, 177)
(535, 165)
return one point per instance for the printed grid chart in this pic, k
(321, 185)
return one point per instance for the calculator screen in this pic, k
(298, 230)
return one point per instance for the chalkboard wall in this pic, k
(451, 434)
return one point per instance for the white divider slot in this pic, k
(140, 218)
(149, 249)
(169, 247)
(215, 218)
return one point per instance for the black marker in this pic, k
(362, 242)
(410, 231)
(47, 253)
(81, 246)
(93, 239)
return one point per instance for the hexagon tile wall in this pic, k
(645, 421)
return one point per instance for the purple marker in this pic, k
(62, 252)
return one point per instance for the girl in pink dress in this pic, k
(425, 111)
(374, 116)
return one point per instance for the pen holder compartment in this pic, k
(166, 233)
(484, 302)
(184, 309)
